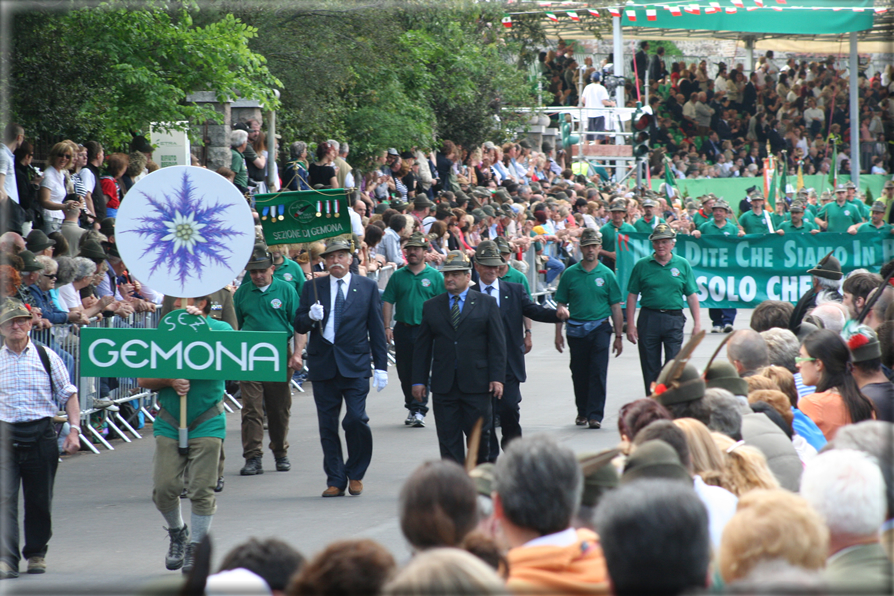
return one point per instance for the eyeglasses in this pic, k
(17, 322)
(66, 156)
(53, 276)
(799, 360)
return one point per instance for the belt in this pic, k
(405, 324)
(675, 312)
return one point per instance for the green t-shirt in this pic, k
(757, 224)
(862, 208)
(407, 291)
(273, 310)
(202, 395)
(589, 295)
(641, 225)
(868, 227)
(237, 164)
(709, 228)
(805, 228)
(515, 276)
(610, 235)
(840, 218)
(662, 286)
(291, 272)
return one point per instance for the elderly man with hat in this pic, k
(34, 386)
(646, 224)
(591, 293)
(887, 199)
(759, 220)
(38, 242)
(517, 310)
(877, 222)
(461, 349)
(407, 290)
(797, 224)
(343, 318)
(838, 215)
(610, 231)
(266, 304)
(851, 196)
(662, 280)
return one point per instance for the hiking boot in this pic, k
(283, 464)
(189, 557)
(177, 549)
(220, 485)
(253, 467)
(37, 565)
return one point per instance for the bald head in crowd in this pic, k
(12, 243)
(832, 314)
(747, 351)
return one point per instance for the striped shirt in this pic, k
(801, 388)
(25, 386)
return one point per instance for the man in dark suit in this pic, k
(345, 326)
(749, 94)
(463, 344)
(514, 305)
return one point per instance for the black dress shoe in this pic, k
(253, 467)
(219, 487)
(283, 464)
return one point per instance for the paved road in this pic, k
(108, 537)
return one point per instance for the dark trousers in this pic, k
(275, 398)
(455, 415)
(35, 468)
(656, 329)
(404, 347)
(507, 408)
(596, 124)
(721, 317)
(328, 395)
(589, 371)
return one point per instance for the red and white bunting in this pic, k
(776, 8)
(507, 22)
(731, 10)
(631, 16)
(760, 3)
(692, 9)
(572, 15)
(552, 17)
(651, 14)
(750, 8)
(858, 9)
(593, 12)
(738, 3)
(675, 11)
(615, 12)
(880, 10)
(781, 2)
(713, 8)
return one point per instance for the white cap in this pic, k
(237, 581)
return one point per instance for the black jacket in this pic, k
(515, 304)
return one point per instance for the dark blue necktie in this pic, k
(454, 312)
(339, 306)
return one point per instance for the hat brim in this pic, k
(259, 265)
(736, 386)
(669, 471)
(490, 261)
(446, 268)
(826, 274)
(39, 247)
(331, 249)
(590, 242)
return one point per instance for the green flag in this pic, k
(783, 179)
(833, 170)
(670, 187)
(303, 216)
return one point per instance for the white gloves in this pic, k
(316, 312)
(380, 379)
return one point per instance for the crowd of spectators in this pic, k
(721, 125)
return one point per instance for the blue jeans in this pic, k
(553, 268)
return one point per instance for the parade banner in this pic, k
(303, 216)
(742, 272)
(184, 347)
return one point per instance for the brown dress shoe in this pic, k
(334, 491)
(355, 487)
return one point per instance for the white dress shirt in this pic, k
(329, 330)
(495, 292)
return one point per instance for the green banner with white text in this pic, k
(742, 272)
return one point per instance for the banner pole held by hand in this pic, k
(183, 444)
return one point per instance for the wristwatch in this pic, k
(527, 331)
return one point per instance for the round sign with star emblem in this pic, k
(184, 231)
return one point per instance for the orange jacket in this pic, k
(575, 569)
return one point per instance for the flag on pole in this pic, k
(651, 14)
(507, 22)
(572, 15)
(675, 11)
(552, 17)
(670, 184)
(783, 174)
(615, 12)
(631, 16)
(833, 170)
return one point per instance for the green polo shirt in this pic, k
(273, 310)
(641, 225)
(515, 276)
(805, 228)
(662, 286)
(868, 227)
(757, 224)
(202, 395)
(862, 208)
(709, 228)
(610, 235)
(840, 218)
(291, 272)
(698, 219)
(810, 210)
(407, 291)
(589, 295)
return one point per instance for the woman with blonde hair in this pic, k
(745, 467)
(446, 571)
(55, 185)
(707, 461)
(772, 525)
